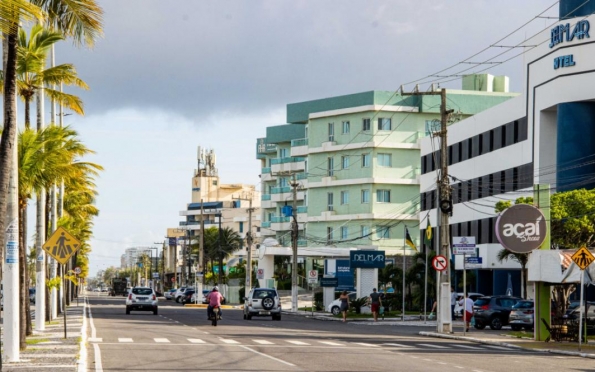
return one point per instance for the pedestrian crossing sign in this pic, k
(61, 245)
(582, 258)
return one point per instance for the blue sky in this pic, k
(170, 76)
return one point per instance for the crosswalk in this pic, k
(309, 342)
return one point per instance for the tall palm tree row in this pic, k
(220, 245)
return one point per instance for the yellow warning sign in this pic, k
(61, 245)
(582, 258)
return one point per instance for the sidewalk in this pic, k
(48, 350)
(498, 339)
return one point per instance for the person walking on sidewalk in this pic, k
(375, 303)
(467, 304)
(344, 298)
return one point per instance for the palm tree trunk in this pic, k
(23, 287)
(28, 325)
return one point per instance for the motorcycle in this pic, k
(215, 315)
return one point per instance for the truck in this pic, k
(119, 287)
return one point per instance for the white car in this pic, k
(142, 299)
(335, 306)
(459, 308)
(178, 295)
(262, 302)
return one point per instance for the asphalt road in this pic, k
(181, 339)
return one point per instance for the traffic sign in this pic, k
(463, 245)
(61, 245)
(473, 262)
(260, 274)
(313, 276)
(582, 258)
(439, 263)
(77, 270)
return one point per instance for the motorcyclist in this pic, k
(214, 298)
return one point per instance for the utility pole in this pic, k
(184, 260)
(220, 280)
(294, 248)
(249, 241)
(445, 205)
(202, 257)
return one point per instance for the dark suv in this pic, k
(493, 311)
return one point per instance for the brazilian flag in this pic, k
(408, 239)
(428, 235)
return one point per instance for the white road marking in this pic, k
(297, 342)
(331, 343)
(268, 356)
(365, 344)
(196, 341)
(434, 346)
(82, 360)
(228, 341)
(161, 340)
(498, 347)
(98, 365)
(399, 345)
(263, 342)
(468, 347)
(125, 340)
(96, 339)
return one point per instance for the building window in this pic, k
(344, 162)
(382, 232)
(329, 201)
(366, 125)
(241, 227)
(329, 234)
(283, 182)
(345, 127)
(331, 167)
(365, 231)
(384, 160)
(344, 197)
(283, 153)
(365, 196)
(344, 232)
(365, 160)
(383, 196)
(384, 124)
(331, 132)
(271, 214)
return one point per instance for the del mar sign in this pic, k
(366, 259)
(562, 33)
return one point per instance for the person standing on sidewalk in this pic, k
(453, 302)
(467, 304)
(375, 303)
(344, 298)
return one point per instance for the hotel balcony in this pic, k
(302, 214)
(299, 147)
(290, 164)
(280, 223)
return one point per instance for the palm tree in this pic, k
(221, 244)
(521, 258)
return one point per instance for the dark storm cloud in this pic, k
(197, 58)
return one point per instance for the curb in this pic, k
(82, 359)
(506, 344)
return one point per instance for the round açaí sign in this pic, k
(521, 228)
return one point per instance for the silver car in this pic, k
(521, 315)
(141, 299)
(262, 302)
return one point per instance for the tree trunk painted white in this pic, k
(40, 228)
(53, 211)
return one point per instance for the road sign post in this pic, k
(582, 258)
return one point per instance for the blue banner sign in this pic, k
(345, 276)
(329, 282)
(366, 259)
(172, 242)
(580, 31)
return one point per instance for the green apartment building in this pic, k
(357, 160)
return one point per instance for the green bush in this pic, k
(358, 303)
(318, 302)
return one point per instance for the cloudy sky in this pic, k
(169, 76)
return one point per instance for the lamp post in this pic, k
(156, 255)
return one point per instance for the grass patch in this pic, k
(35, 341)
(307, 308)
(519, 334)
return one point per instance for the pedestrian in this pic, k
(432, 315)
(467, 304)
(344, 298)
(375, 303)
(453, 301)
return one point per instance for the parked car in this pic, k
(493, 311)
(522, 315)
(142, 299)
(459, 308)
(573, 311)
(179, 293)
(186, 296)
(262, 302)
(170, 294)
(335, 306)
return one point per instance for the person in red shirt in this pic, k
(214, 298)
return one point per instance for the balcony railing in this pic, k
(302, 242)
(412, 174)
(290, 159)
(280, 219)
(266, 224)
(302, 209)
(265, 197)
(280, 190)
(265, 170)
(302, 176)
(299, 142)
